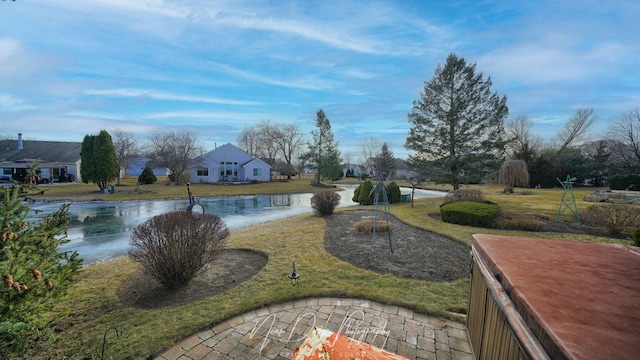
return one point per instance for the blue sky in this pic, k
(71, 68)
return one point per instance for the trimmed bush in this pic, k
(393, 193)
(174, 247)
(147, 176)
(470, 213)
(363, 194)
(367, 226)
(356, 193)
(625, 182)
(636, 237)
(325, 202)
(616, 218)
(459, 195)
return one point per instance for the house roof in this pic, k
(50, 151)
(222, 153)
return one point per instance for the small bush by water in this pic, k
(174, 247)
(325, 202)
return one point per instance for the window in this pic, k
(202, 171)
(257, 172)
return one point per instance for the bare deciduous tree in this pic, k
(513, 173)
(289, 141)
(248, 141)
(625, 134)
(522, 144)
(575, 130)
(174, 150)
(368, 150)
(127, 149)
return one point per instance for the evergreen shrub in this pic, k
(34, 271)
(625, 182)
(365, 197)
(393, 193)
(147, 176)
(470, 213)
(325, 202)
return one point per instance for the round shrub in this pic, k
(147, 176)
(325, 202)
(356, 193)
(365, 197)
(393, 193)
(470, 213)
(174, 247)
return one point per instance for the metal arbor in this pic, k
(565, 204)
(379, 192)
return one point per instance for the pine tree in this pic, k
(34, 271)
(99, 162)
(323, 154)
(457, 123)
(385, 163)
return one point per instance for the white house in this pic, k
(228, 163)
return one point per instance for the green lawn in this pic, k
(93, 306)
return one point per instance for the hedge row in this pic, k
(470, 213)
(625, 182)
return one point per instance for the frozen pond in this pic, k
(101, 230)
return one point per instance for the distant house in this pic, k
(400, 172)
(228, 163)
(138, 164)
(402, 169)
(353, 170)
(58, 161)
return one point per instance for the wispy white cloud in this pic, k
(158, 95)
(12, 103)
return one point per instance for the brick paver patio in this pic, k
(275, 331)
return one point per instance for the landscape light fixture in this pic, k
(294, 276)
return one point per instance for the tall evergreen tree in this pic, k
(458, 124)
(385, 163)
(99, 161)
(323, 154)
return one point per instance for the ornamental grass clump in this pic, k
(174, 247)
(368, 226)
(460, 195)
(616, 218)
(325, 202)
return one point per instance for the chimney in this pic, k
(19, 141)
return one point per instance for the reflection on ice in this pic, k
(101, 230)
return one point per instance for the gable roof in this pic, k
(226, 152)
(50, 151)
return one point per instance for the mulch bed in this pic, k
(229, 268)
(417, 253)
